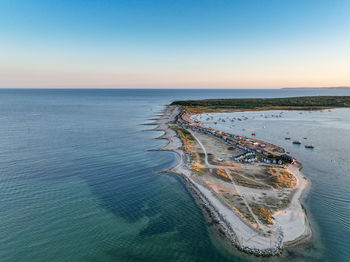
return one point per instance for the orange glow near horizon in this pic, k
(46, 78)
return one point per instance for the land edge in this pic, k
(307, 235)
(221, 225)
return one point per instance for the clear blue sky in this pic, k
(169, 43)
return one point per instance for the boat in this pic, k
(305, 137)
(309, 146)
(253, 134)
(296, 142)
(287, 138)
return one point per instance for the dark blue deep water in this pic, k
(76, 182)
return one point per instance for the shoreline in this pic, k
(239, 232)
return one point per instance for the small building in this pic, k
(287, 158)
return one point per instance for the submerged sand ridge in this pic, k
(255, 204)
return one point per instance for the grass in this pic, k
(264, 215)
(237, 204)
(185, 133)
(201, 158)
(281, 178)
(246, 182)
(275, 204)
(222, 174)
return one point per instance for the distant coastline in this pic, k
(259, 104)
(318, 87)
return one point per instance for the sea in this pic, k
(78, 181)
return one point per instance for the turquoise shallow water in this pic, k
(76, 180)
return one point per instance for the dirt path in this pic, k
(232, 180)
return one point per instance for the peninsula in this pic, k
(249, 187)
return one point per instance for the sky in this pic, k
(174, 43)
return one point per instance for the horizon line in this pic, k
(175, 88)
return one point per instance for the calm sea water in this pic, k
(77, 182)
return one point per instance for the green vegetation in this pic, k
(275, 204)
(243, 181)
(291, 103)
(201, 158)
(185, 133)
(264, 215)
(222, 174)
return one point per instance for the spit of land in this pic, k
(251, 188)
